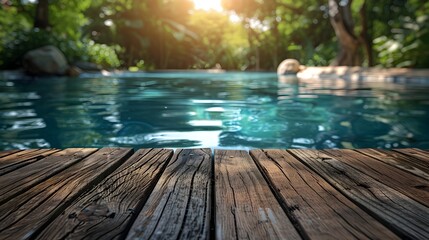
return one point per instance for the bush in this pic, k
(16, 44)
(103, 54)
(408, 46)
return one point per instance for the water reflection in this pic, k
(212, 110)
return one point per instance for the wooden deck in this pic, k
(116, 193)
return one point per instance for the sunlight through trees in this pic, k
(235, 34)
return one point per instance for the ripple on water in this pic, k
(22, 113)
(170, 139)
(209, 110)
(18, 96)
(24, 144)
(21, 125)
(15, 105)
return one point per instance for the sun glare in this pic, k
(208, 5)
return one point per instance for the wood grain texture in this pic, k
(106, 211)
(401, 161)
(179, 206)
(416, 153)
(403, 215)
(22, 179)
(22, 158)
(8, 152)
(31, 211)
(412, 186)
(321, 211)
(245, 206)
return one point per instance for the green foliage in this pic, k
(321, 55)
(153, 31)
(407, 43)
(67, 17)
(103, 54)
(281, 29)
(17, 43)
(10, 21)
(219, 41)
(171, 34)
(20, 42)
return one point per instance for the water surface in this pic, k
(228, 110)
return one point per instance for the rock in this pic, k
(74, 71)
(88, 66)
(47, 60)
(289, 66)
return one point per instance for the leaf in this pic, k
(294, 48)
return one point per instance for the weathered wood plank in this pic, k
(23, 158)
(400, 213)
(401, 161)
(245, 206)
(421, 157)
(179, 206)
(16, 156)
(320, 210)
(8, 152)
(29, 213)
(22, 179)
(106, 211)
(406, 183)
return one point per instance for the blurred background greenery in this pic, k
(235, 34)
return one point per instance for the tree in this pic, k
(341, 18)
(219, 41)
(154, 32)
(279, 29)
(41, 19)
(342, 22)
(164, 34)
(300, 27)
(401, 33)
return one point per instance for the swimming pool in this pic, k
(222, 110)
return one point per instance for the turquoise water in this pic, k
(228, 110)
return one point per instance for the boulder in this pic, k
(74, 71)
(47, 60)
(289, 66)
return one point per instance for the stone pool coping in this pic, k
(363, 73)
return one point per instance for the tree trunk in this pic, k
(41, 20)
(342, 22)
(364, 36)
